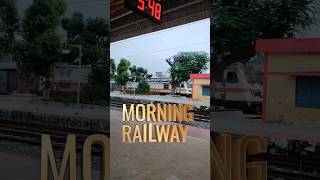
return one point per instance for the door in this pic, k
(12, 81)
(3, 82)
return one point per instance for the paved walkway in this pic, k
(238, 123)
(21, 167)
(159, 161)
(25, 103)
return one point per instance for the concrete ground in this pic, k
(238, 123)
(25, 103)
(159, 161)
(21, 167)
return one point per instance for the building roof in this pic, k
(200, 76)
(306, 45)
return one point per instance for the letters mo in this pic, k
(69, 156)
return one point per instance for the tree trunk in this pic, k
(26, 80)
(173, 90)
(24, 85)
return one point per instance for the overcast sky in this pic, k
(89, 8)
(151, 50)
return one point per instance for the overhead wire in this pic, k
(161, 50)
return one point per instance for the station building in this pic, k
(66, 77)
(8, 75)
(291, 92)
(201, 87)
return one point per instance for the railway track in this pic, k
(296, 168)
(31, 134)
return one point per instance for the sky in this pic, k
(151, 50)
(89, 8)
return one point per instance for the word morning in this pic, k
(155, 122)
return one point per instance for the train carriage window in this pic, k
(166, 86)
(189, 85)
(232, 77)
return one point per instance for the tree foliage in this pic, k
(9, 23)
(236, 24)
(143, 87)
(91, 34)
(123, 72)
(97, 85)
(39, 47)
(185, 63)
(113, 69)
(41, 16)
(74, 25)
(138, 74)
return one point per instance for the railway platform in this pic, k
(23, 109)
(235, 122)
(159, 98)
(161, 161)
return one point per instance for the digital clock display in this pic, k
(151, 9)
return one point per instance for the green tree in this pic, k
(236, 24)
(39, 49)
(113, 69)
(9, 24)
(41, 16)
(138, 74)
(123, 72)
(185, 63)
(96, 89)
(91, 34)
(73, 25)
(143, 87)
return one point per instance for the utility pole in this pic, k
(79, 68)
(79, 82)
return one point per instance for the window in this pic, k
(206, 91)
(166, 86)
(190, 85)
(182, 85)
(307, 92)
(232, 77)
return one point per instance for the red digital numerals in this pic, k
(154, 7)
(157, 11)
(141, 5)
